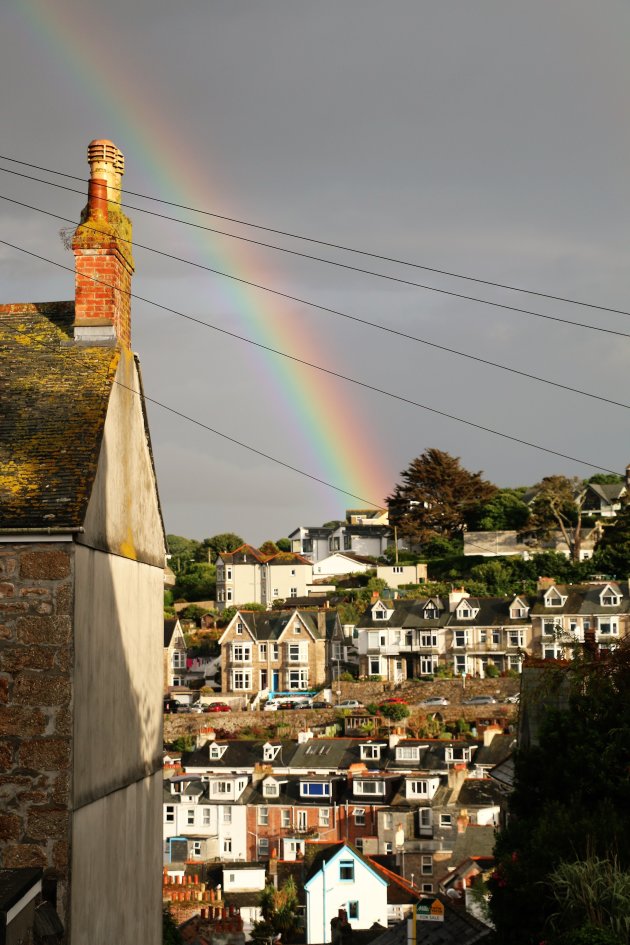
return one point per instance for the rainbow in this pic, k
(334, 441)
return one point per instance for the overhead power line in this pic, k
(327, 243)
(317, 367)
(418, 285)
(354, 318)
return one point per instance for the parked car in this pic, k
(349, 704)
(271, 706)
(218, 707)
(433, 701)
(480, 700)
(394, 700)
(302, 703)
(515, 699)
(171, 705)
(320, 705)
(288, 704)
(196, 707)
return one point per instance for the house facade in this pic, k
(174, 655)
(341, 879)
(365, 533)
(565, 614)
(247, 576)
(82, 556)
(278, 651)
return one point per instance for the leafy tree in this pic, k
(283, 544)
(570, 804)
(269, 548)
(395, 711)
(279, 910)
(183, 552)
(612, 554)
(558, 507)
(505, 511)
(605, 479)
(436, 497)
(192, 612)
(227, 541)
(198, 582)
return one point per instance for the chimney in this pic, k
(456, 595)
(102, 251)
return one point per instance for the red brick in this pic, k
(32, 591)
(39, 689)
(6, 589)
(4, 690)
(8, 566)
(17, 855)
(5, 632)
(45, 565)
(7, 748)
(54, 629)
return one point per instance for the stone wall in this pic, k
(36, 658)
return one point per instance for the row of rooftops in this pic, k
(395, 790)
(343, 755)
(609, 597)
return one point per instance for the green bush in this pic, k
(492, 671)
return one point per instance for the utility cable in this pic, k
(354, 318)
(418, 285)
(317, 367)
(231, 439)
(330, 245)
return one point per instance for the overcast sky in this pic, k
(490, 139)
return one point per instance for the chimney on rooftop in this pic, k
(102, 251)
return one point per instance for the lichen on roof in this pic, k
(54, 396)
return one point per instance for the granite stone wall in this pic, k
(36, 603)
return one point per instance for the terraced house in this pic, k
(247, 576)
(567, 613)
(278, 651)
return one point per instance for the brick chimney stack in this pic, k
(102, 251)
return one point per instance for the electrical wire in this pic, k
(329, 244)
(324, 370)
(231, 439)
(354, 318)
(418, 285)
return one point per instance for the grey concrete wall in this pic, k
(117, 867)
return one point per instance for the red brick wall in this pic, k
(36, 602)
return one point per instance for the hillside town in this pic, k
(359, 733)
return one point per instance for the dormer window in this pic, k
(270, 751)
(518, 609)
(553, 598)
(271, 788)
(216, 751)
(458, 753)
(430, 613)
(380, 611)
(421, 787)
(373, 786)
(314, 789)
(370, 752)
(408, 753)
(609, 597)
(380, 615)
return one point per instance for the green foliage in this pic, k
(375, 678)
(605, 479)
(593, 897)
(492, 671)
(505, 511)
(197, 582)
(436, 497)
(269, 548)
(348, 677)
(395, 711)
(170, 932)
(612, 555)
(571, 800)
(283, 544)
(279, 910)
(227, 541)
(558, 507)
(372, 708)
(193, 612)
(183, 743)
(183, 552)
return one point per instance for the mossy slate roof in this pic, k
(54, 396)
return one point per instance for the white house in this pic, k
(247, 576)
(398, 574)
(202, 817)
(339, 563)
(342, 879)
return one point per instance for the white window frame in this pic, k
(262, 816)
